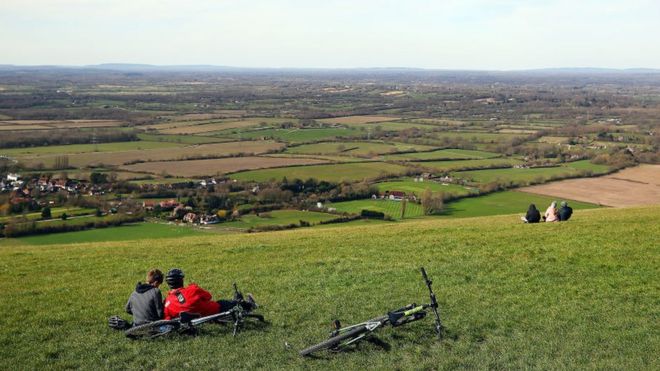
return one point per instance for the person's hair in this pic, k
(532, 207)
(554, 204)
(564, 204)
(154, 276)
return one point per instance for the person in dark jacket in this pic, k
(565, 212)
(146, 302)
(533, 215)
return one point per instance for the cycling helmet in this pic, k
(174, 278)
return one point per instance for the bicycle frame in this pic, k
(344, 336)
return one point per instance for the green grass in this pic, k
(502, 203)
(391, 208)
(332, 173)
(277, 217)
(554, 296)
(85, 148)
(534, 174)
(409, 186)
(356, 148)
(444, 154)
(299, 135)
(468, 164)
(123, 233)
(588, 165)
(183, 139)
(55, 212)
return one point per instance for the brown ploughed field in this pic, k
(629, 187)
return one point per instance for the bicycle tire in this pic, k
(153, 329)
(334, 341)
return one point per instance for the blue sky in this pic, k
(448, 34)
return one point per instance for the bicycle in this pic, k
(187, 323)
(342, 337)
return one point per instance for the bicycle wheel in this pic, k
(334, 341)
(153, 329)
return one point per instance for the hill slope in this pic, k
(582, 294)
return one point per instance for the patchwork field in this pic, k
(633, 186)
(160, 154)
(333, 173)
(573, 295)
(216, 126)
(468, 164)
(531, 174)
(184, 139)
(59, 124)
(408, 185)
(391, 208)
(210, 167)
(87, 148)
(297, 135)
(359, 119)
(444, 154)
(356, 148)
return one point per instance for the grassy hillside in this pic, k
(575, 295)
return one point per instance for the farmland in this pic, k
(530, 174)
(451, 165)
(216, 161)
(193, 168)
(443, 154)
(336, 173)
(391, 208)
(408, 185)
(167, 151)
(355, 148)
(634, 186)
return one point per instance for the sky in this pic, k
(442, 34)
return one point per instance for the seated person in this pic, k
(551, 213)
(533, 215)
(565, 212)
(194, 299)
(146, 302)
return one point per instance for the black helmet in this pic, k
(174, 278)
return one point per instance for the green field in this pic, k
(84, 148)
(502, 203)
(452, 165)
(299, 135)
(409, 186)
(277, 217)
(331, 173)
(588, 165)
(533, 174)
(391, 208)
(444, 154)
(183, 139)
(137, 231)
(55, 212)
(478, 136)
(356, 148)
(560, 296)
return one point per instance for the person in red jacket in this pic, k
(194, 299)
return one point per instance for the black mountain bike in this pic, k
(187, 323)
(342, 337)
